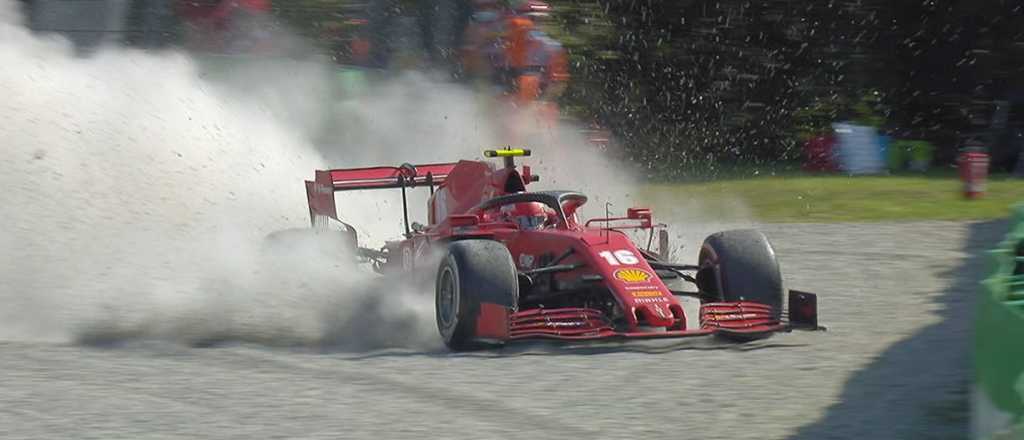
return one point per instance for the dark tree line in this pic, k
(688, 81)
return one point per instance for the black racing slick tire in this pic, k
(740, 265)
(472, 272)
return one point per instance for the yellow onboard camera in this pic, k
(509, 154)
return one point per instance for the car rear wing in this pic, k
(320, 191)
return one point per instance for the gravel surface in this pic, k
(896, 299)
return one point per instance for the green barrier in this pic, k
(913, 154)
(998, 401)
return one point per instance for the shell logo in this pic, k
(632, 275)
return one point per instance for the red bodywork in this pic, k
(596, 258)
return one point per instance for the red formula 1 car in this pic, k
(515, 264)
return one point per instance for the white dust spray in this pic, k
(136, 196)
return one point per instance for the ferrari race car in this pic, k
(510, 264)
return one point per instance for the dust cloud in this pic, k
(138, 189)
(136, 197)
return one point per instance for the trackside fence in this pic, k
(997, 400)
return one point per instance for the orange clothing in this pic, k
(557, 75)
(558, 67)
(518, 41)
(527, 89)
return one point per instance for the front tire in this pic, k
(740, 265)
(472, 273)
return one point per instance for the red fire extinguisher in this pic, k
(973, 172)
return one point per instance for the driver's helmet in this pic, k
(528, 215)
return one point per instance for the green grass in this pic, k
(797, 197)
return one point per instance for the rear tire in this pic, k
(472, 272)
(740, 265)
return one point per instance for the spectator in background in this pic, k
(482, 53)
(226, 26)
(537, 64)
(522, 70)
(556, 69)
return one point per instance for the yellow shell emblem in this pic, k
(632, 275)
